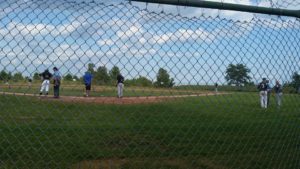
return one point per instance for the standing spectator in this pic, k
(120, 85)
(87, 78)
(269, 90)
(262, 87)
(56, 82)
(278, 93)
(216, 88)
(46, 76)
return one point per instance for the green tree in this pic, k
(9, 77)
(27, 78)
(68, 77)
(296, 81)
(17, 77)
(101, 76)
(4, 76)
(144, 82)
(91, 68)
(113, 73)
(140, 81)
(36, 76)
(163, 79)
(237, 74)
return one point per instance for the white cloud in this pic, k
(198, 34)
(7, 54)
(160, 39)
(142, 52)
(66, 28)
(3, 32)
(142, 40)
(28, 29)
(15, 6)
(183, 35)
(15, 28)
(103, 42)
(132, 30)
(13, 58)
(66, 52)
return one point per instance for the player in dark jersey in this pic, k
(120, 85)
(216, 87)
(278, 93)
(46, 76)
(269, 91)
(263, 93)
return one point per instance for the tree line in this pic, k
(101, 76)
(236, 75)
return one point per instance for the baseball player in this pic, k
(263, 93)
(269, 91)
(216, 87)
(29, 83)
(46, 76)
(56, 82)
(87, 78)
(278, 93)
(120, 85)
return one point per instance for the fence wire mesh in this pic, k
(132, 88)
(289, 4)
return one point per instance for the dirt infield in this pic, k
(113, 100)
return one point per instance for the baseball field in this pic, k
(203, 131)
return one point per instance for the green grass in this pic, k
(229, 131)
(98, 91)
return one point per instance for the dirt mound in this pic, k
(114, 100)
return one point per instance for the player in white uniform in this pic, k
(120, 85)
(278, 92)
(263, 93)
(46, 75)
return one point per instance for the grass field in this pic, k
(229, 131)
(98, 91)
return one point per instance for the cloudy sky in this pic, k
(194, 45)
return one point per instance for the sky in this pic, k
(194, 45)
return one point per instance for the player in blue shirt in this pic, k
(87, 78)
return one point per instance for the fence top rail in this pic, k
(227, 6)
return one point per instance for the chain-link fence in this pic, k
(132, 88)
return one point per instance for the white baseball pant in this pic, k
(263, 99)
(45, 86)
(120, 89)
